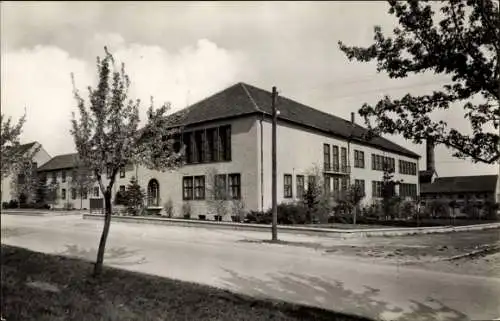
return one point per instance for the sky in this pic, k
(182, 52)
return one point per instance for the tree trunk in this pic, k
(355, 210)
(104, 235)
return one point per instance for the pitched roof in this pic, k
(461, 184)
(242, 99)
(23, 148)
(60, 162)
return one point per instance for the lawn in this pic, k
(66, 291)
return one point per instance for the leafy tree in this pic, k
(350, 199)
(389, 198)
(461, 41)
(52, 194)
(24, 180)
(134, 197)
(9, 143)
(107, 136)
(217, 194)
(82, 179)
(41, 189)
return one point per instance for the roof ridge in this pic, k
(243, 85)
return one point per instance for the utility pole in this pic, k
(273, 157)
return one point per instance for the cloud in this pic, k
(38, 79)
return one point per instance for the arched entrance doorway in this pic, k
(153, 193)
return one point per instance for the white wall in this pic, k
(299, 150)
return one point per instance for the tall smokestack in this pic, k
(430, 159)
(352, 118)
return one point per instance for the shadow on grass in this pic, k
(113, 255)
(332, 294)
(124, 295)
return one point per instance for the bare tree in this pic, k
(107, 136)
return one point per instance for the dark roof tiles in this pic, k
(60, 162)
(461, 184)
(243, 99)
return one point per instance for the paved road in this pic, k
(297, 274)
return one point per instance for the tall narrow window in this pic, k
(186, 138)
(73, 193)
(343, 158)
(84, 193)
(199, 187)
(287, 186)
(198, 143)
(311, 180)
(234, 186)
(211, 152)
(54, 177)
(300, 186)
(327, 184)
(63, 194)
(220, 187)
(360, 185)
(326, 157)
(335, 152)
(63, 176)
(187, 187)
(336, 185)
(96, 191)
(343, 182)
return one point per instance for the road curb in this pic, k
(337, 233)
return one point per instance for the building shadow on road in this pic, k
(114, 255)
(332, 295)
(13, 232)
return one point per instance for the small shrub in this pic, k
(202, 217)
(218, 218)
(169, 208)
(69, 206)
(186, 210)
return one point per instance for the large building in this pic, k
(228, 148)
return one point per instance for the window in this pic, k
(63, 176)
(300, 185)
(54, 177)
(63, 193)
(407, 168)
(360, 184)
(407, 190)
(344, 183)
(73, 193)
(359, 159)
(122, 172)
(210, 151)
(208, 145)
(122, 188)
(187, 187)
(21, 179)
(335, 153)
(336, 185)
(96, 191)
(220, 187)
(376, 189)
(327, 184)
(234, 186)
(326, 157)
(199, 187)
(84, 194)
(343, 159)
(287, 188)
(109, 171)
(311, 180)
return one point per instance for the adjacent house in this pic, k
(463, 192)
(73, 187)
(12, 184)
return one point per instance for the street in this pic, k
(237, 261)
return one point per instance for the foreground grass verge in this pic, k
(123, 295)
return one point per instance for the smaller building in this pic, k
(12, 187)
(465, 192)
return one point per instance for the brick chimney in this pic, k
(352, 117)
(430, 159)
